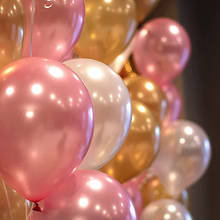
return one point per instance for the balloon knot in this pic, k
(36, 207)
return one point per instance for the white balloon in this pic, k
(112, 109)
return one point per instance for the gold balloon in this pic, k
(109, 26)
(149, 93)
(12, 205)
(127, 70)
(144, 8)
(140, 147)
(153, 190)
(12, 24)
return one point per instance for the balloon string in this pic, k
(32, 26)
(7, 198)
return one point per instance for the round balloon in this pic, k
(161, 50)
(53, 27)
(87, 195)
(186, 151)
(127, 70)
(12, 205)
(12, 28)
(140, 147)
(165, 209)
(149, 93)
(112, 109)
(108, 29)
(46, 119)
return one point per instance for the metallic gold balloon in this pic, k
(11, 30)
(140, 147)
(145, 7)
(109, 26)
(12, 205)
(149, 93)
(127, 70)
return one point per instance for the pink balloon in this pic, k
(56, 28)
(87, 195)
(161, 50)
(174, 103)
(46, 120)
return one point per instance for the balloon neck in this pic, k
(36, 207)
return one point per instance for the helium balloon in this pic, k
(53, 27)
(161, 50)
(108, 29)
(12, 28)
(174, 103)
(112, 108)
(144, 8)
(46, 119)
(140, 147)
(127, 70)
(186, 151)
(165, 209)
(149, 93)
(87, 195)
(12, 205)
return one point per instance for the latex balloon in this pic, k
(140, 147)
(186, 151)
(165, 209)
(174, 103)
(46, 119)
(87, 195)
(12, 28)
(112, 108)
(12, 205)
(149, 93)
(145, 7)
(127, 70)
(161, 50)
(108, 29)
(53, 27)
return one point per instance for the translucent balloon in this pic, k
(165, 210)
(184, 156)
(12, 28)
(112, 106)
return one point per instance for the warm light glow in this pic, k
(174, 29)
(30, 114)
(144, 33)
(37, 89)
(83, 202)
(149, 86)
(52, 96)
(108, 1)
(172, 208)
(95, 73)
(55, 72)
(97, 207)
(188, 130)
(95, 184)
(141, 108)
(182, 141)
(10, 91)
(167, 216)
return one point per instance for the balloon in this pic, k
(145, 7)
(149, 93)
(12, 205)
(174, 103)
(161, 50)
(108, 29)
(57, 25)
(112, 107)
(46, 119)
(186, 151)
(87, 195)
(127, 70)
(140, 147)
(164, 210)
(135, 195)
(12, 25)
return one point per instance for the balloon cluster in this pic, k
(66, 125)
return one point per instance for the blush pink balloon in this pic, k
(87, 195)
(161, 50)
(57, 25)
(46, 119)
(174, 103)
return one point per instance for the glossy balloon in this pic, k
(174, 103)
(12, 28)
(127, 70)
(145, 7)
(12, 205)
(46, 119)
(56, 27)
(140, 147)
(149, 93)
(87, 195)
(112, 107)
(166, 209)
(161, 50)
(186, 151)
(108, 29)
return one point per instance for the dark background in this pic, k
(200, 85)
